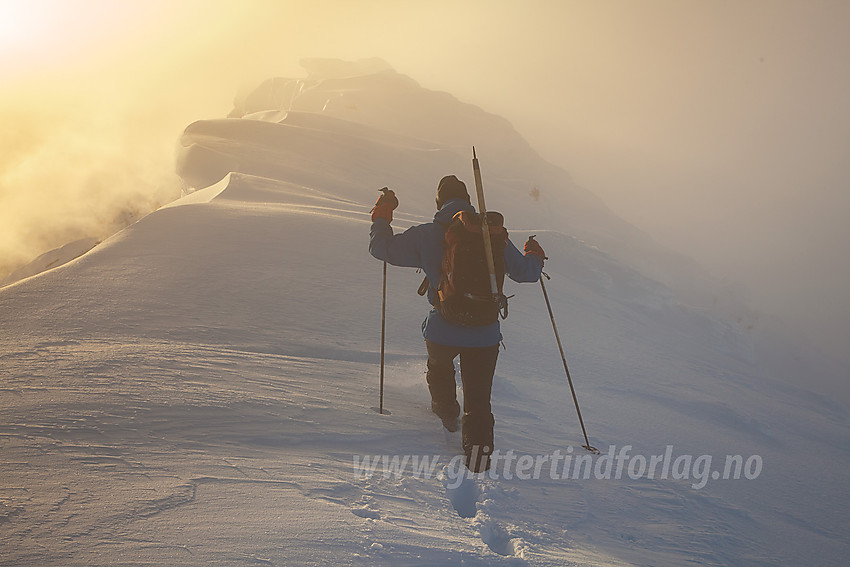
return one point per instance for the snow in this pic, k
(51, 259)
(196, 389)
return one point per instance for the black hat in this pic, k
(451, 187)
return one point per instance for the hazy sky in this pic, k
(720, 127)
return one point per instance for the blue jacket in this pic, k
(421, 246)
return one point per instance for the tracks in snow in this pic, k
(471, 499)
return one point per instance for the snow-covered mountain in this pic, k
(403, 135)
(198, 389)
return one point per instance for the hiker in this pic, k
(422, 246)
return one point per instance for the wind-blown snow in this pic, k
(196, 389)
(51, 259)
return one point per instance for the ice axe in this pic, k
(498, 297)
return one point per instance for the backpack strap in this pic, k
(423, 287)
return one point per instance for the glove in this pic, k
(385, 205)
(533, 247)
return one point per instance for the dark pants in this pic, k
(477, 366)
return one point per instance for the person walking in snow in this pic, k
(422, 246)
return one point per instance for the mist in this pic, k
(720, 128)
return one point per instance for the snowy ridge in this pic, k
(371, 101)
(51, 259)
(198, 390)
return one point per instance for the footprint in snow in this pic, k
(463, 494)
(498, 540)
(366, 512)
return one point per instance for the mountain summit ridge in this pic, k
(197, 389)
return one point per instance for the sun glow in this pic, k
(23, 24)
(36, 35)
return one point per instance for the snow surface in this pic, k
(195, 389)
(51, 259)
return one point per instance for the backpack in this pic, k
(464, 293)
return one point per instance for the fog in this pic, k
(720, 128)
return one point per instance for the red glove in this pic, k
(385, 205)
(533, 247)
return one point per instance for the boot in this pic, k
(448, 414)
(478, 441)
(478, 458)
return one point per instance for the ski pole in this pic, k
(380, 407)
(587, 445)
